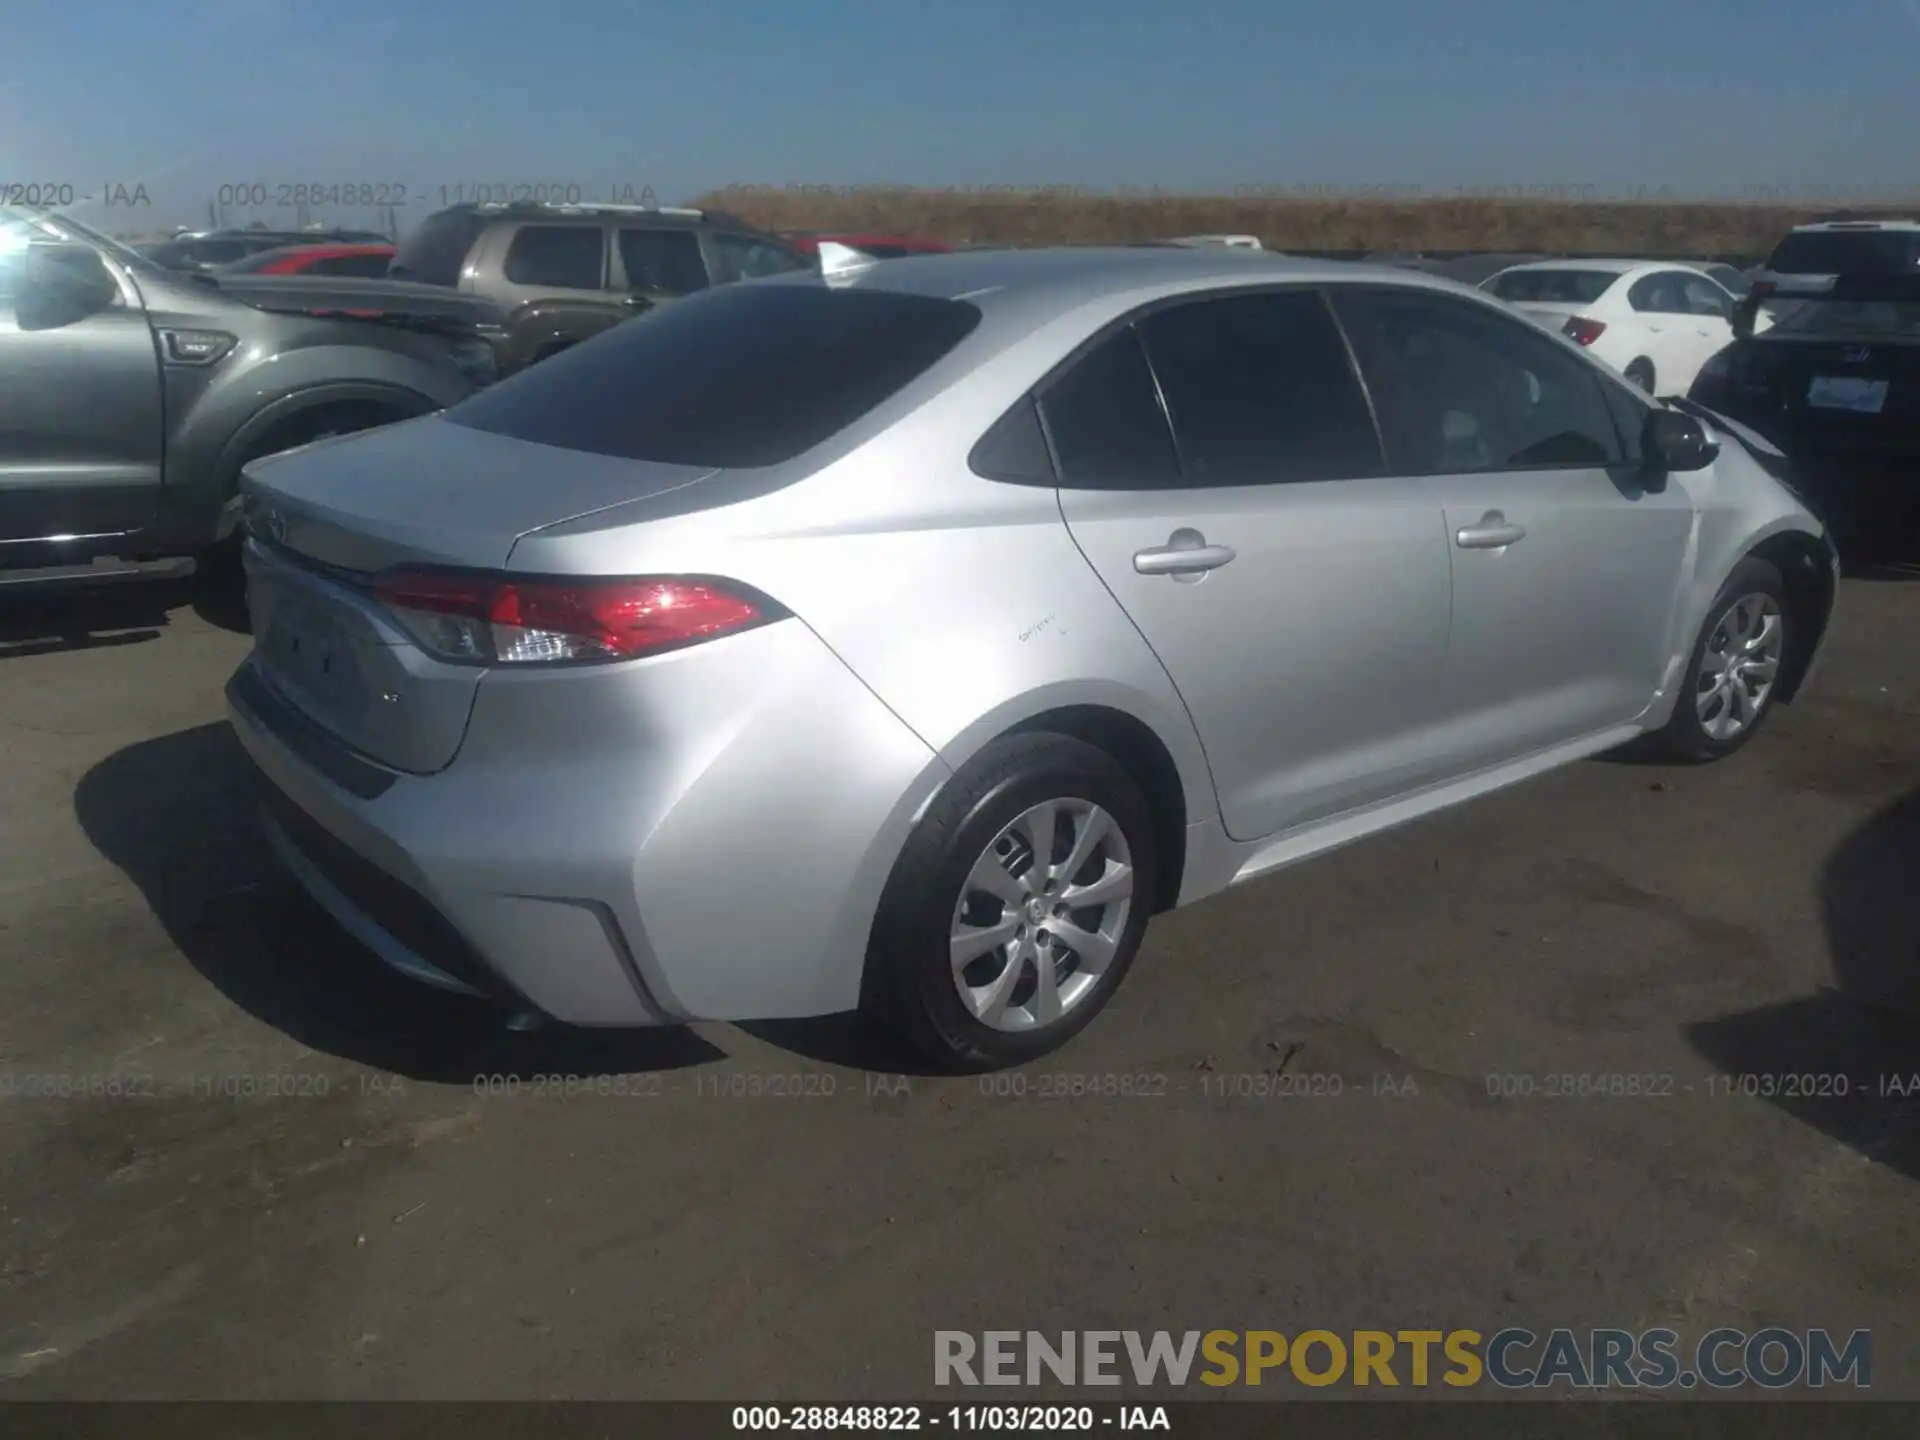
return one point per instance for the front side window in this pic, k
(1104, 420)
(1461, 387)
(557, 257)
(1704, 297)
(1260, 390)
(743, 257)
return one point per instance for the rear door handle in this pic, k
(1492, 533)
(1188, 553)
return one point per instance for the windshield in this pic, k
(1552, 287)
(24, 223)
(1846, 252)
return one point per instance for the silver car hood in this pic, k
(430, 491)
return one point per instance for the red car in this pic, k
(881, 247)
(367, 262)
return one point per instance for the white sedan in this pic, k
(1656, 322)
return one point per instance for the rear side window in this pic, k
(565, 257)
(1846, 252)
(1662, 293)
(435, 253)
(1552, 287)
(738, 377)
(1105, 421)
(1261, 390)
(662, 262)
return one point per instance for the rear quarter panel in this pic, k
(963, 603)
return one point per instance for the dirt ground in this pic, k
(307, 1194)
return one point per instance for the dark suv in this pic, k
(564, 273)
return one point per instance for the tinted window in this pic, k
(1663, 293)
(1461, 388)
(1015, 449)
(1846, 252)
(435, 253)
(1104, 419)
(1861, 318)
(663, 262)
(365, 267)
(742, 257)
(1260, 389)
(740, 376)
(565, 257)
(1703, 297)
(1552, 287)
(215, 252)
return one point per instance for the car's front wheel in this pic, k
(1736, 663)
(1016, 906)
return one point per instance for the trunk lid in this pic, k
(326, 518)
(1837, 394)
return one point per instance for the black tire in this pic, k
(1684, 739)
(910, 984)
(1640, 373)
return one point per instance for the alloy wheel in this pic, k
(1041, 915)
(1739, 666)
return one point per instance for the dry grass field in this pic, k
(1031, 217)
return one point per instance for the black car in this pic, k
(1835, 385)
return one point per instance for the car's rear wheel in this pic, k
(1729, 687)
(1016, 906)
(1640, 373)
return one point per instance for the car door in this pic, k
(80, 406)
(1668, 335)
(1567, 561)
(1296, 593)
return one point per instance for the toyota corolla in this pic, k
(902, 637)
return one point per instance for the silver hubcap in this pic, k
(1041, 914)
(1738, 670)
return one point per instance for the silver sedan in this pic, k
(902, 637)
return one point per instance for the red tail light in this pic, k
(1582, 331)
(484, 619)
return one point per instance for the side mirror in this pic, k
(60, 284)
(1672, 443)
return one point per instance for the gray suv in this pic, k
(564, 273)
(131, 395)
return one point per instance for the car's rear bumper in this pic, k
(703, 836)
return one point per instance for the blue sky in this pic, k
(1707, 97)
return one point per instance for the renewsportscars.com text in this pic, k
(1513, 1358)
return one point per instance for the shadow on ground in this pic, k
(177, 815)
(49, 622)
(1847, 1060)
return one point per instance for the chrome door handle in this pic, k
(1182, 559)
(1492, 533)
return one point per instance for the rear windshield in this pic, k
(736, 377)
(1553, 287)
(433, 254)
(1864, 319)
(1846, 252)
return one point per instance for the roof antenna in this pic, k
(837, 259)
